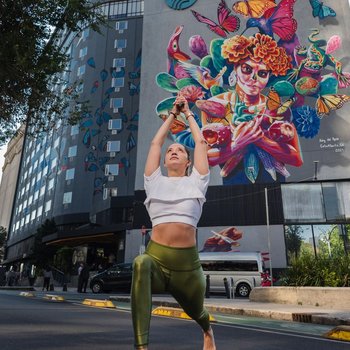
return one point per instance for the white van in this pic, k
(244, 269)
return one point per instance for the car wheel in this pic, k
(243, 290)
(96, 287)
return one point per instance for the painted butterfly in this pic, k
(321, 11)
(327, 103)
(227, 22)
(253, 8)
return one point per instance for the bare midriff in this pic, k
(174, 234)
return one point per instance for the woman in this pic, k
(174, 203)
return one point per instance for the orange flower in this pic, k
(236, 48)
(260, 47)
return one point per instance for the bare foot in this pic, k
(209, 341)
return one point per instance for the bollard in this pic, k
(227, 288)
(232, 288)
(207, 287)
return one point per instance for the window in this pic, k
(74, 130)
(48, 206)
(83, 52)
(248, 265)
(47, 152)
(120, 44)
(30, 200)
(81, 70)
(42, 191)
(72, 151)
(113, 146)
(39, 211)
(67, 197)
(56, 143)
(33, 215)
(112, 169)
(35, 164)
(118, 62)
(27, 219)
(36, 195)
(51, 183)
(70, 174)
(115, 124)
(118, 83)
(121, 25)
(303, 203)
(116, 103)
(54, 163)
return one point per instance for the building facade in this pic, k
(89, 177)
(83, 175)
(9, 177)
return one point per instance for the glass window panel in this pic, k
(113, 146)
(118, 82)
(74, 130)
(67, 197)
(116, 103)
(333, 202)
(303, 203)
(72, 151)
(70, 174)
(51, 183)
(119, 62)
(48, 206)
(115, 124)
(120, 44)
(112, 169)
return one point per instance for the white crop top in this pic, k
(175, 199)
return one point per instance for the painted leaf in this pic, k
(167, 82)
(165, 105)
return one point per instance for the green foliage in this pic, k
(3, 235)
(321, 271)
(293, 240)
(42, 255)
(32, 60)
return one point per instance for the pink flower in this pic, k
(192, 93)
(198, 46)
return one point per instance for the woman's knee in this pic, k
(142, 265)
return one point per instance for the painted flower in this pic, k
(306, 121)
(198, 46)
(236, 48)
(192, 93)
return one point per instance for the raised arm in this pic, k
(200, 149)
(154, 153)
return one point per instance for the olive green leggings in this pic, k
(167, 269)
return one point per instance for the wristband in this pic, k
(189, 115)
(172, 114)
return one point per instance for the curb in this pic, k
(98, 303)
(339, 333)
(27, 294)
(175, 312)
(304, 317)
(53, 297)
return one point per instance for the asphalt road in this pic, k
(35, 324)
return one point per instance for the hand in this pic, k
(246, 133)
(182, 104)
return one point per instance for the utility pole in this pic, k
(268, 233)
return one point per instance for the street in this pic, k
(33, 323)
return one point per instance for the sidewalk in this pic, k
(276, 311)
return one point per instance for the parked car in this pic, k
(244, 269)
(116, 278)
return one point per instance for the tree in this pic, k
(294, 239)
(3, 235)
(42, 255)
(32, 60)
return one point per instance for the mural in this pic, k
(254, 97)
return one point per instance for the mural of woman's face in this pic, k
(252, 76)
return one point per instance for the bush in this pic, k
(321, 271)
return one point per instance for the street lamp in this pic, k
(315, 169)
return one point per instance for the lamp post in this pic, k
(315, 169)
(268, 233)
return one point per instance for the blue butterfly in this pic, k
(134, 89)
(118, 74)
(91, 62)
(320, 10)
(103, 74)
(130, 142)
